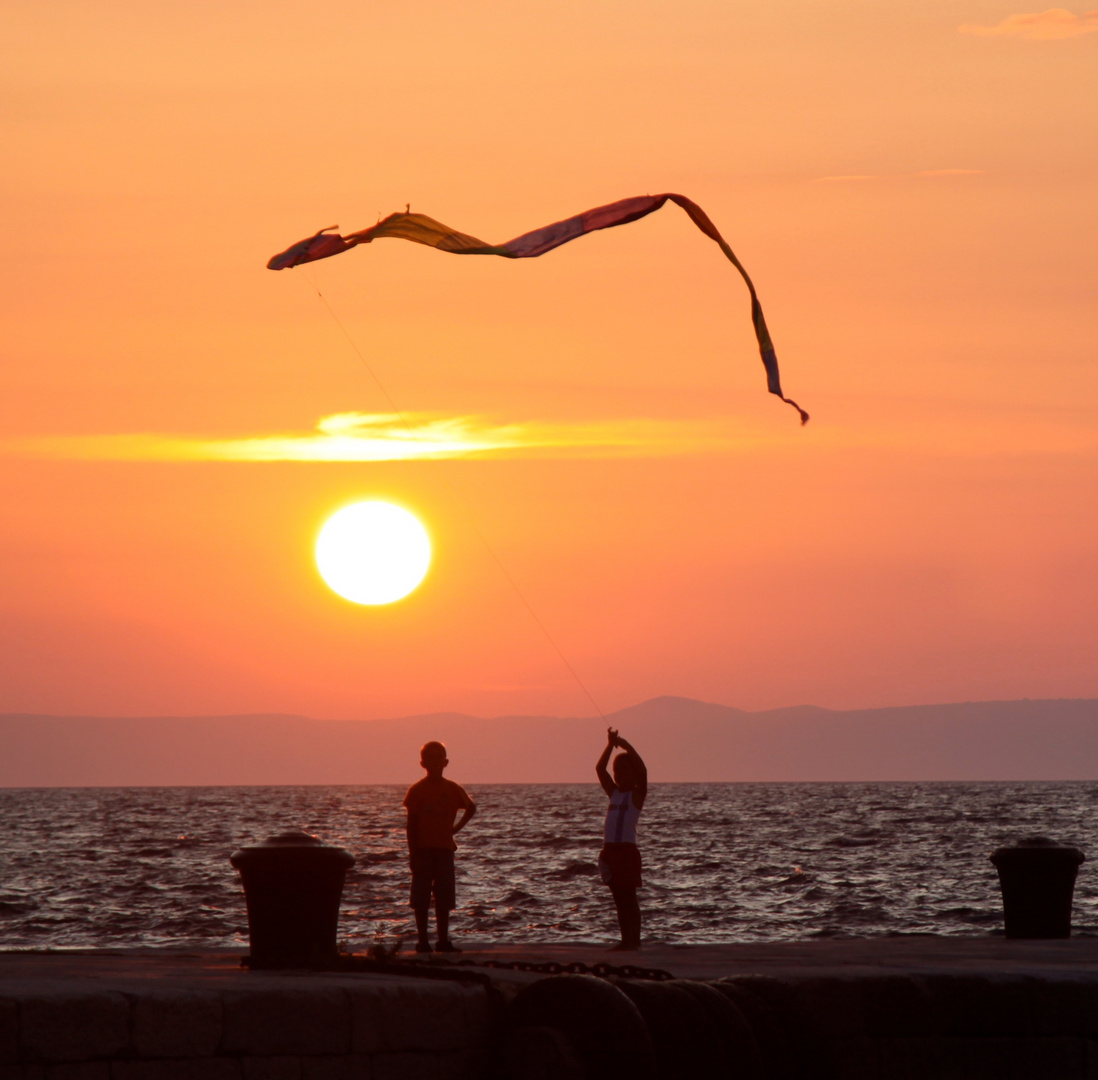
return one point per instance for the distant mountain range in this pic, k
(681, 739)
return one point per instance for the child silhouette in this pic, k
(432, 805)
(619, 860)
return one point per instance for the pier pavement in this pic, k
(902, 954)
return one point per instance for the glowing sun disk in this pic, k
(373, 552)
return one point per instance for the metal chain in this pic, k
(575, 967)
(438, 968)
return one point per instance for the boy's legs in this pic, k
(445, 897)
(629, 915)
(421, 895)
(433, 874)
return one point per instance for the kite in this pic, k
(421, 229)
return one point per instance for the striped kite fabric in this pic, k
(421, 229)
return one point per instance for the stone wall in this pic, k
(950, 1025)
(129, 1022)
(846, 1027)
(271, 1028)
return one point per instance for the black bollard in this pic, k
(1037, 877)
(293, 883)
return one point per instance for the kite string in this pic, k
(362, 357)
(534, 615)
(480, 536)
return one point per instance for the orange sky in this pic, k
(911, 185)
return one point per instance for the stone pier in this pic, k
(167, 1016)
(876, 1009)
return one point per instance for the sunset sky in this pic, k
(911, 184)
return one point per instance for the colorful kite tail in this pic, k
(421, 229)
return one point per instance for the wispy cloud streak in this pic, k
(384, 437)
(923, 174)
(1055, 24)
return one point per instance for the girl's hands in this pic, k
(611, 737)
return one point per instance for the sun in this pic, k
(373, 552)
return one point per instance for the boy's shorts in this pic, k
(433, 871)
(620, 865)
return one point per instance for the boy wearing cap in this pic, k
(432, 805)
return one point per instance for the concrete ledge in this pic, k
(147, 1016)
(175, 1024)
(279, 1020)
(9, 1032)
(63, 1025)
(928, 1009)
(197, 1068)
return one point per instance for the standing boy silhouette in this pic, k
(619, 860)
(432, 805)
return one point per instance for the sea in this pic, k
(133, 867)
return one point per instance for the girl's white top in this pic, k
(621, 819)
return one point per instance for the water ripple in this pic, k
(88, 867)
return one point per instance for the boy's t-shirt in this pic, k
(436, 804)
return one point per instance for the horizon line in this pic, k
(532, 716)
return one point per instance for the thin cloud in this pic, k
(380, 437)
(922, 174)
(1055, 24)
(374, 437)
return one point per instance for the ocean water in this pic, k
(97, 867)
